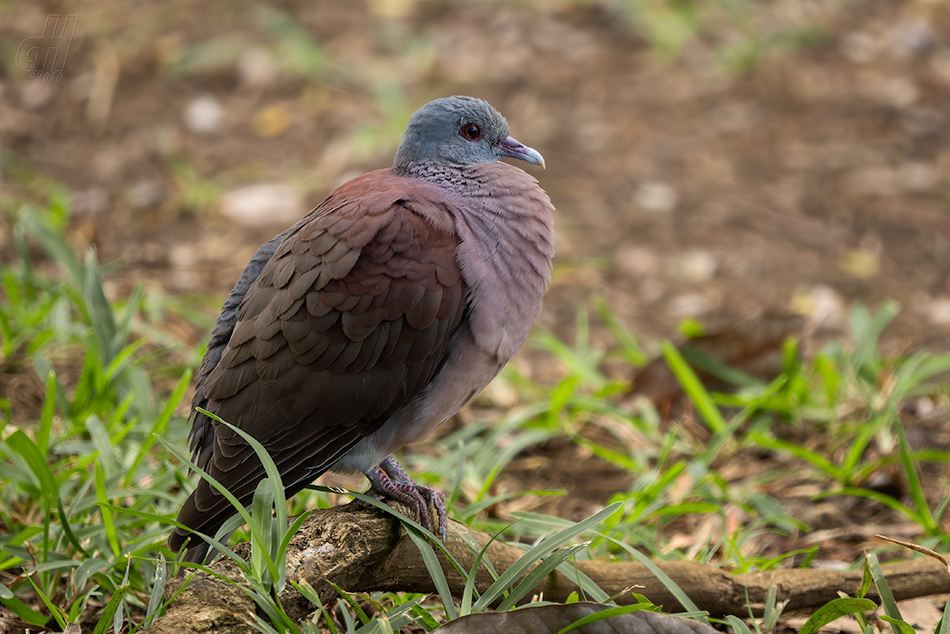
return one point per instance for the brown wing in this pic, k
(346, 323)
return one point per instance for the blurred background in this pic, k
(715, 164)
(708, 160)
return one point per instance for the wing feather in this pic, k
(345, 324)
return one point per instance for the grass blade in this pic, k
(605, 614)
(52, 607)
(67, 529)
(435, 571)
(161, 424)
(469, 591)
(270, 468)
(538, 573)
(106, 620)
(943, 626)
(693, 388)
(921, 504)
(526, 561)
(738, 625)
(834, 609)
(104, 508)
(884, 590)
(99, 309)
(27, 450)
(664, 578)
(158, 591)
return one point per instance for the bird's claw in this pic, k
(391, 480)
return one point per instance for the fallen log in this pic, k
(365, 550)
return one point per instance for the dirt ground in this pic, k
(685, 187)
(792, 156)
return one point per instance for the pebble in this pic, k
(900, 92)
(89, 202)
(922, 122)
(502, 394)
(936, 311)
(146, 194)
(859, 48)
(263, 205)
(940, 64)
(655, 197)
(917, 176)
(912, 37)
(204, 115)
(34, 95)
(258, 67)
(873, 181)
(823, 306)
(184, 258)
(921, 407)
(183, 255)
(689, 305)
(696, 265)
(165, 140)
(636, 261)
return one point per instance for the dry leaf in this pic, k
(550, 619)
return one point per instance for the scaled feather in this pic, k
(375, 317)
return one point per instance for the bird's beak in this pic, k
(512, 148)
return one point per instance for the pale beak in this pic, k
(512, 148)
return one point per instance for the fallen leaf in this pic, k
(272, 121)
(551, 619)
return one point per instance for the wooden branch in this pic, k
(364, 550)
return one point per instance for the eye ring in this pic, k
(470, 131)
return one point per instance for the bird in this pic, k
(374, 319)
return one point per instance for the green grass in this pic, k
(734, 35)
(90, 484)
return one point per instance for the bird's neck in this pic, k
(458, 178)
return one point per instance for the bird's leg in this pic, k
(390, 479)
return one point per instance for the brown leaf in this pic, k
(551, 619)
(916, 547)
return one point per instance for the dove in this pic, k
(374, 319)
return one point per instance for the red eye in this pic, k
(471, 132)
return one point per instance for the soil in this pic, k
(792, 157)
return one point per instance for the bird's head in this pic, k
(459, 131)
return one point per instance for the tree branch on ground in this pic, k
(365, 550)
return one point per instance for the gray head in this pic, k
(459, 131)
